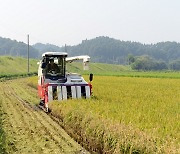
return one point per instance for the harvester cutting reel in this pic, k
(54, 83)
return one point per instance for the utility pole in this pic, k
(65, 48)
(28, 52)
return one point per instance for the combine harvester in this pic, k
(54, 83)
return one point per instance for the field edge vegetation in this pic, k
(3, 143)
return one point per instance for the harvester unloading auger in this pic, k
(54, 83)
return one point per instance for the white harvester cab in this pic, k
(54, 83)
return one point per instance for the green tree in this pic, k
(175, 65)
(130, 59)
(148, 63)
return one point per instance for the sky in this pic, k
(69, 22)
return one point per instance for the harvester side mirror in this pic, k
(91, 77)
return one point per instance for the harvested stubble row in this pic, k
(27, 128)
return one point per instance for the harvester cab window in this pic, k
(51, 67)
(55, 67)
(61, 65)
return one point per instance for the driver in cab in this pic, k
(51, 67)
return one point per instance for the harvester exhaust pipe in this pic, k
(90, 77)
(90, 85)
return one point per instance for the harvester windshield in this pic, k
(55, 66)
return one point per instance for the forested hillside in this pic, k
(163, 55)
(109, 50)
(15, 48)
(46, 47)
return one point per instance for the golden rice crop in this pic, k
(126, 115)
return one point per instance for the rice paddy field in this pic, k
(129, 112)
(125, 115)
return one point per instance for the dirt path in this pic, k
(30, 130)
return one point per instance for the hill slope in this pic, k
(15, 48)
(12, 65)
(101, 49)
(97, 68)
(46, 47)
(108, 50)
(15, 65)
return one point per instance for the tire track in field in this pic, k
(44, 118)
(33, 131)
(20, 127)
(47, 124)
(22, 115)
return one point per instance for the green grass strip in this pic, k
(168, 75)
(4, 77)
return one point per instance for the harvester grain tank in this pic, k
(54, 83)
